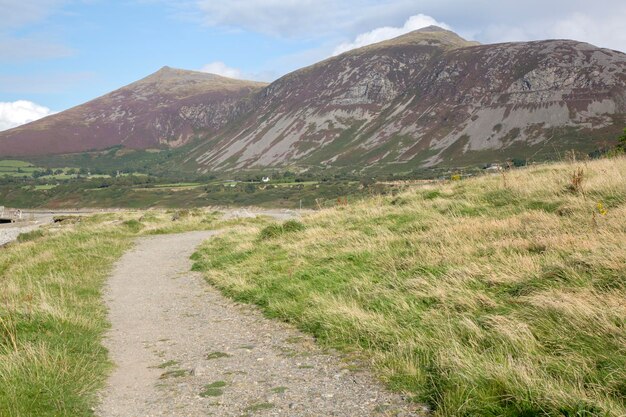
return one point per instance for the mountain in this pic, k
(428, 98)
(165, 109)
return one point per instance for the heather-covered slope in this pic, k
(164, 109)
(426, 98)
(423, 99)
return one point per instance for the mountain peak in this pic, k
(171, 74)
(433, 35)
(427, 36)
(432, 28)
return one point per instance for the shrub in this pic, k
(275, 230)
(28, 236)
(133, 225)
(576, 181)
(292, 226)
(621, 141)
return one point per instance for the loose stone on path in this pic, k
(181, 349)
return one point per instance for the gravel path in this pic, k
(183, 350)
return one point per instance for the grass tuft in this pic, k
(133, 225)
(276, 230)
(29, 236)
(217, 355)
(213, 390)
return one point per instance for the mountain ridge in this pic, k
(163, 109)
(422, 105)
(425, 98)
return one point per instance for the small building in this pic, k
(265, 179)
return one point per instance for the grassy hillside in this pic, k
(52, 316)
(501, 295)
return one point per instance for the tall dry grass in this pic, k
(477, 297)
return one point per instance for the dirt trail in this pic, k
(173, 336)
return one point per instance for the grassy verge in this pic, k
(496, 296)
(51, 314)
(51, 320)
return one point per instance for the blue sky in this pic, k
(55, 54)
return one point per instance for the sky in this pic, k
(55, 54)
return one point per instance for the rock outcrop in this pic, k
(430, 97)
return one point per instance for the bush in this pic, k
(275, 230)
(133, 225)
(518, 162)
(28, 236)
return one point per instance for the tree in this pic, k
(518, 162)
(621, 141)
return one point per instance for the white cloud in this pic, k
(23, 49)
(602, 26)
(600, 22)
(302, 18)
(380, 34)
(16, 13)
(19, 112)
(607, 32)
(220, 68)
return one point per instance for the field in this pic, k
(139, 192)
(21, 169)
(495, 296)
(25, 185)
(14, 168)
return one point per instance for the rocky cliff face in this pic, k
(428, 98)
(164, 109)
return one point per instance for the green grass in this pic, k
(179, 185)
(32, 235)
(278, 229)
(258, 407)
(167, 364)
(12, 163)
(494, 296)
(93, 193)
(52, 317)
(175, 373)
(214, 389)
(44, 187)
(217, 355)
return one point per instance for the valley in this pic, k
(414, 226)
